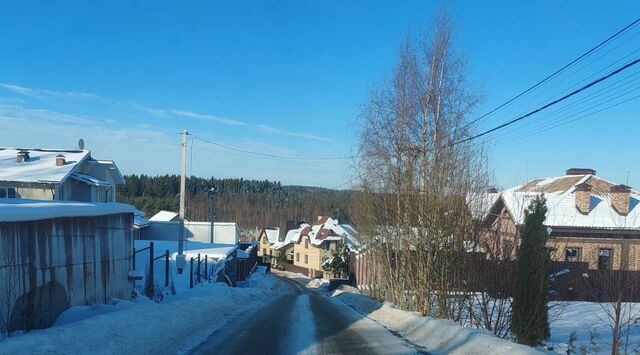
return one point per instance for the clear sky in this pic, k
(287, 77)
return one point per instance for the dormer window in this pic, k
(7, 192)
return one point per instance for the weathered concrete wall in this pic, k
(46, 266)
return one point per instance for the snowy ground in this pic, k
(590, 322)
(437, 336)
(142, 326)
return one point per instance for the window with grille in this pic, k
(604, 259)
(572, 254)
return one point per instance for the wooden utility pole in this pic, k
(180, 259)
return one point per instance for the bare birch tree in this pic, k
(416, 180)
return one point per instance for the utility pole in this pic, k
(212, 212)
(181, 259)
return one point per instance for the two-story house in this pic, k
(57, 174)
(590, 220)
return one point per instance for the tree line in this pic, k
(250, 203)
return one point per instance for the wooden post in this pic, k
(166, 269)
(199, 280)
(150, 279)
(134, 258)
(206, 268)
(191, 274)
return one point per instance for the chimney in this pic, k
(60, 160)
(492, 190)
(583, 197)
(580, 171)
(22, 156)
(620, 198)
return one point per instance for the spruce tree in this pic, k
(529, 322)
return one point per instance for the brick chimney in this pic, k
(620, 195)
(23, 155)
(583, 197)
(492, 190)
(60, 160)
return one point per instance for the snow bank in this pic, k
(144, 326)
(16, 210)
(437, 335)
(320, 284)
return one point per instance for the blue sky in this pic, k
(288, 78)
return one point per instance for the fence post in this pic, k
(206, 269)
(150, 286)
(191, 274)
(199, 280)
(166, 269)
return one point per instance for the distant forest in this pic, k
(250, 203)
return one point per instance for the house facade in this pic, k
(589, 219)
(313, 244)
(54, 174)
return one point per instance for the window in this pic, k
(604, 259)
(7, 192)
(572, 254)
(306, 258)
(264, 250)
(298, 257)
(270, 252)
(325, 246)
(306, 243)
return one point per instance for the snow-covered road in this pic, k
(303, 322)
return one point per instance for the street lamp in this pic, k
(212, 211)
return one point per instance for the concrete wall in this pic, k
(49, 265)
(225, 233)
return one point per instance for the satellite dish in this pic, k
(81, 144)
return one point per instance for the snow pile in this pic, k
(436, 335)
(320, 284)
(144, 326)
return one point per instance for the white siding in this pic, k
(225, 233)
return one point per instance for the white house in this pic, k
(57, 174)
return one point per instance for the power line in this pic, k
(552, 103)
(267, 155)
(550, 76)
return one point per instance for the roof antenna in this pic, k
(628, 173)
(81, 144)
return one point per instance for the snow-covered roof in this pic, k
(326, 228)
(272, 234)
(41, 165)
(164, 216)
(16, 210)
(561, 203)
(89, 179)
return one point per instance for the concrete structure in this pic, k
(591, 220)
(55, 255)
(55, 174)
(225, 232)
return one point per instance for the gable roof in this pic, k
(41, 166)
(327, 228)
(562, 212)
(272, 234)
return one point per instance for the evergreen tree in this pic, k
(529, 323)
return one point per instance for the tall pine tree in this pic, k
(529, 322)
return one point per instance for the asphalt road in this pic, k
(303, 322)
